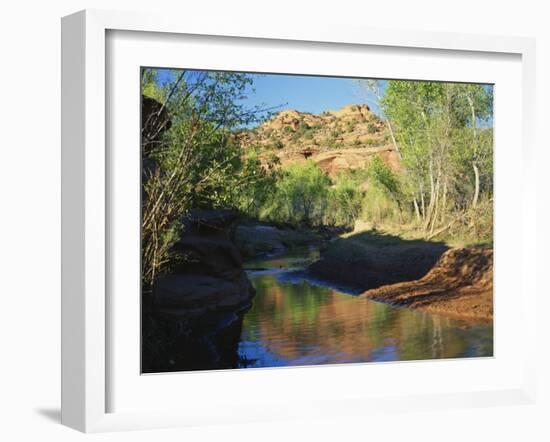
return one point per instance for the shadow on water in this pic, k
(171, 346)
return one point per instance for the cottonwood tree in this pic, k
(376, 88)
(436, 127)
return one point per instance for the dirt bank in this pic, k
(459, 285)
(371, 259)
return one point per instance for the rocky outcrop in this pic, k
(336, 140)
(192, 297)
(255, 240)
(260, 239)
(336, 161)
(200, 305)
(459, 285)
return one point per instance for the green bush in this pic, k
(372, 128)
(296, 136)
(305, 196)
(300, 196)
(382, 202)
(345, 199)
(371, 142)
(288, 129)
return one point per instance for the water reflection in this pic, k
(297, 321)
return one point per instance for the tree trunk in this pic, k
(374, 86)
(436, 206)
(432, 197)
(422, 201)
(394, 142)
(416, 209)
(476, 190)
(474, 148)
(444, 202)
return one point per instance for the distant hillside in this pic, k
(335, 140)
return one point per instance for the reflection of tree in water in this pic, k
(437, 346)
(304, 322)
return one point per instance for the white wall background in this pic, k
(30, 215)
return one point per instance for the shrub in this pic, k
(305, 196)
(344, 202)
(300, 196)
(382, 202)
(372, 128)
(371, 142)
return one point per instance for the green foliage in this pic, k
(195, 163)
(305, 196)
(296, 136)
(372, 128)
(288, 130)
(382, 175)
(382, 201)
(377, 208)
(345, 199)
(149, 86)
(443, 132)
(350, 126)
(371, 142)
(300, 195)
(445, 141)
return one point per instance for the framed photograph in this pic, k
(264, 222)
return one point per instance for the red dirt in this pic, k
(459, 285)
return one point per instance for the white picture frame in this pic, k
(86, 315)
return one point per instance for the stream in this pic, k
(297, 320)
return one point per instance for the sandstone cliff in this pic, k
(335, 140)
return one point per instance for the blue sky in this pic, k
(303, 93)
(307, 93)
